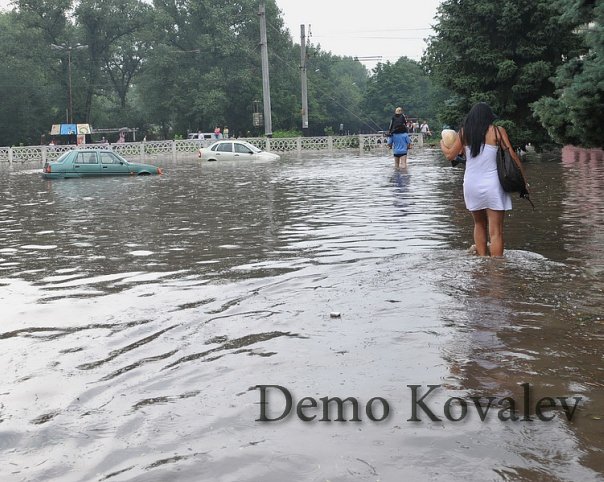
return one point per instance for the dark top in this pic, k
(398, 124)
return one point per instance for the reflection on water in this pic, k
(139, 313)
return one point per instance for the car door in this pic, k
(243, 152)
(224, 151)
(112, 164)
(86, 163)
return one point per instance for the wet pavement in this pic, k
(140, 315)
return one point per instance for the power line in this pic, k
(370, 38)
(327, 94)
(348, 32)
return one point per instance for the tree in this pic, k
(575, 113)
(47, 17)
(404, 84)
(183, 65)
(28, 90)
(104, 24)
(122, 64)
(205, 70)
(35, 25)
(335, 86)
(502, 52)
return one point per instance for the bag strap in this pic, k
(499, 139)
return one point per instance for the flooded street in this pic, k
(139, 315)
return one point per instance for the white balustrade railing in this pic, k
(188, 148)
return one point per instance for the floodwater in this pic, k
(139, 315)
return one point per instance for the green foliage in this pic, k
(48, 18)
(26, 110)
(575, 113)
(335, 87)
(179, 66)
(204, 69)
(502, 52)
(285, 134)
(175, 67)
(107, 29)
(403, 84)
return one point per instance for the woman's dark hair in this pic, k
(475, 126)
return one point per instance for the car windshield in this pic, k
(120, 158)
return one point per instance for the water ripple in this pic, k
(139, 315)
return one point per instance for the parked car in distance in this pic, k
(201, 136)
(235, 150)
(94, 162)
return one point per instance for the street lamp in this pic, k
(68, 49)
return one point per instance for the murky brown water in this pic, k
(139, 314)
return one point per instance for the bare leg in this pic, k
(480, 231)
(495, 219)
(396, 161)
(403, 160)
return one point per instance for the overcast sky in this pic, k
(362, 29)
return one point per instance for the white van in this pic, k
(201, 136)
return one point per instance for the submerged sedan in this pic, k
(234, 150)
(94, 162)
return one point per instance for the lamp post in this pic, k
(68, 49)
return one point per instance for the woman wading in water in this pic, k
(484, 197)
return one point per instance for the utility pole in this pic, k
(69, 48)
(303, 79)
(266, 88)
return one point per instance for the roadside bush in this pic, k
(283, 134)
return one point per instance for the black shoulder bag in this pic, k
(510, 175)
